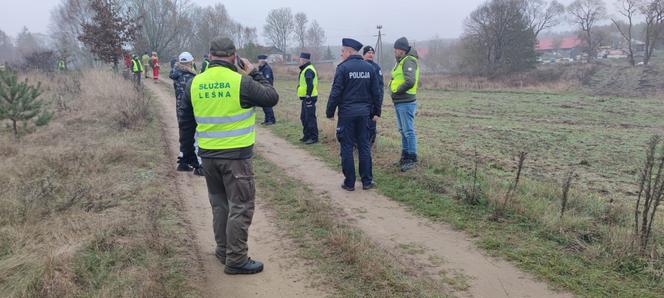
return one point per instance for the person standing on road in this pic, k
(220, 106)
(146, 62)
(368, 54)
(403, 87)
(307, 91)
(137, 69)
(265, 69)
(182, 75)
(355, 92)
(155, 66)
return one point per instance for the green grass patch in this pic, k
(587, 252)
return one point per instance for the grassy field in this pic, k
(601, 138)
(83, 209)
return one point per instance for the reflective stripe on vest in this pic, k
(398, 78)
(222, 123)
(302, 86)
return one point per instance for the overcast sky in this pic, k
(416, 19)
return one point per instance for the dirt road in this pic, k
(436, 248)
(282, 276)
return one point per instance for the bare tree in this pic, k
(315, 39)
(542, 17)
(301, 29)
(279, 26)
(163, 24)
(208, 23)
(628, 9)
(6, 48)
(585, 14)
(653, 11)
(651, 192)
(65, 27)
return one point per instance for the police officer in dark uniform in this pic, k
(368, 54)
(355, 92)
(265, 69)
(307, 91)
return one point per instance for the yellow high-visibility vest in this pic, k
(302, 86)
(136, 65)
(222, 123)
(398, 78)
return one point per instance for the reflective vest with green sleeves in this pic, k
(221, 122)
(398, 78)
(137, 66)
(302, 86)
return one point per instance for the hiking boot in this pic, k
(369, 186)
(310, 142)
(198, 171)
(268, 123)
(347, 188)
(184, 167)
(250, 267)
(403, 158)
(409, 163)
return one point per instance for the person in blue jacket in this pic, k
(368, 54)
(355, 93)
(265, 69)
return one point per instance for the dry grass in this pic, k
(83, 209)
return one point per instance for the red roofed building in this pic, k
(559, 49)
(557, 43)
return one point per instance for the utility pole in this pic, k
(379, 47)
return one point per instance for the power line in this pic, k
(379, 45)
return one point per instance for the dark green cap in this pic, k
(222, 47)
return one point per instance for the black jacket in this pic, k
(355, 90)
(255, 91)
(266, 71)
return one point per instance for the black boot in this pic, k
(403, 158)
(183, 166)
(409, 163)
(250, 267)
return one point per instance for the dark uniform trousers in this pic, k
(351, 131)
(269, 115)
(231, 189)
(372, 131)
(308, 118)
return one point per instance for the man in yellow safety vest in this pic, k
(403, 87)
(219, 106)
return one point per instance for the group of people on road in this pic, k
(139, 66)
(217, 107)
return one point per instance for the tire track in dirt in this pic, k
(437, 249)
(284, 275)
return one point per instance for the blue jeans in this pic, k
(351, 131)
(406, 123)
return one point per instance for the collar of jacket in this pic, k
(261, 67)
(183, 68)
(222, 63)
(303, 66)
(352, 57)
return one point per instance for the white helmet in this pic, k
(185, 57)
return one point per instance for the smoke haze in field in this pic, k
(416, 19)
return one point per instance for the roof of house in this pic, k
(553, 43)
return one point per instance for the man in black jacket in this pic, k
(265, 69)
(220, 106)
(355, 92)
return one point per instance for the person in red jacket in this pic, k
(155, 66)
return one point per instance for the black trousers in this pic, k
(308, 118)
